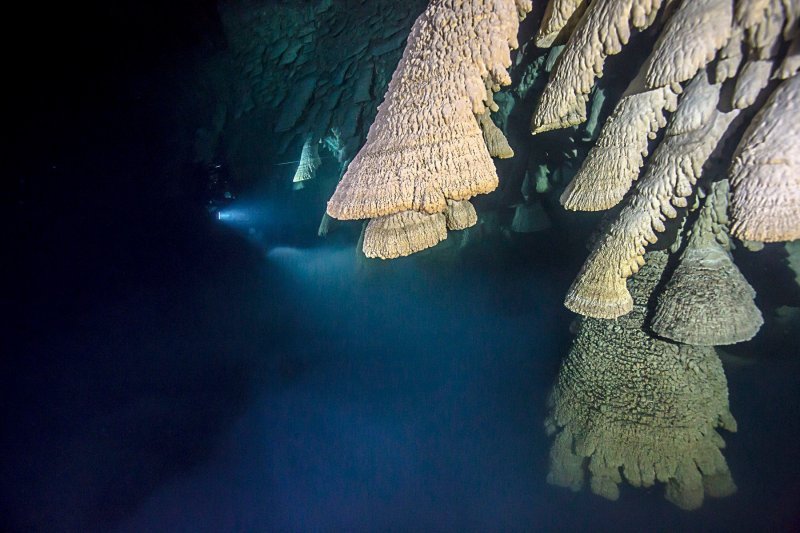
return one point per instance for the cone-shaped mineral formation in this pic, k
(603, 30)
(309, 162)
(560, 17)
(765, 175)
(425, 145)
(403, 234)
(690, 40)
(496, 142)
(630, 406)
(460, 215)
(614, 162)
(707, 301)
(694, 132)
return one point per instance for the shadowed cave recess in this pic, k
(447, 265)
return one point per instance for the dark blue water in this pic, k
(172, 373)
(165, 371)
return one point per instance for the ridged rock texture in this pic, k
(730, 56)
(560, 17)
(603, 30)
(765, 175)
(493, 137)
(460, 215)
(425, 146)
(688, 41)
(764, 24)
(755, 43)
(633, 407)
(707, 301)
(303, 69)
(614, 161)
(693, 134)
(309, 162)
(752, 79)
(402, 234)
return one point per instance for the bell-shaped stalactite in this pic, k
(629, 406)
(308, 164)
(425, 148)
(695, 131)
(765, 175)
(707, 301)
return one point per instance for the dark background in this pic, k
(148, 348)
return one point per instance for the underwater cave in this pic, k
(433, 265)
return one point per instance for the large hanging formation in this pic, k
(428, 151)
(627, 404)
(765, 202)
(642, 391)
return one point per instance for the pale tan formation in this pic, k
(690, 39)
(614, 161)
(496, 142)
(460, 215)
(633, 407)
(695, 130)
(603, 30)
(749, 13)
(523, 8)
(425, 145)
(402, 234)
(309, 162)
(730, 56)
(765, 24)
(558, 21)
(707, 301)
(752, 79)
(765, 175)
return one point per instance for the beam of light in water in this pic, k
(254, 219)
(256, 214)
(232, 215)
(408, 399)
(316, 269)
(248, 216)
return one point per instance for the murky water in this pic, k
(250, 384)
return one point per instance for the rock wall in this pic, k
(319, 68)
(304, 69)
